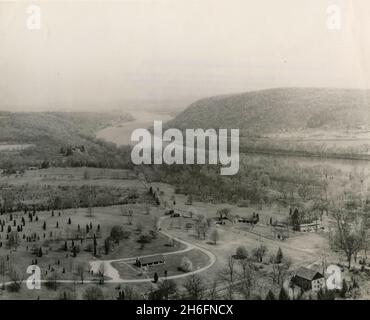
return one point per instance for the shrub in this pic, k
(145, 238)
(67, 295)
(186, 265)
(14, 286)
(279, 256)
(153, 234)
(117, 233)
(241, 252)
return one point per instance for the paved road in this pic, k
(115, 277)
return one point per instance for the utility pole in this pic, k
(324, 262)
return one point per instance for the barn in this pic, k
(308, 279)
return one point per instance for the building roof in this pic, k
(152, 259)
(308, 274)
(314, 223)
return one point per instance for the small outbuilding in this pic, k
(150, 261)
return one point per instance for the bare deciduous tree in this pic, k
(102, 270)
(167, 288)
(212, 292)
(227, 274)
(93, 293)
(246, 276)
(279, 269)
(194, 287)
(81, 268)
(349, 235)
(3, 269)
(260, 252)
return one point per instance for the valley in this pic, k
(99, 227)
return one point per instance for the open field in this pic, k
(66, 238)
(81, 173)
(302, 248)
(184, 150)
(61, 241)
(75, 176)
(58, 231)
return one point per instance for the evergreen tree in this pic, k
(296, 220)
(95, 245)
(74, 252)
(270, 296)
(344, 289)
(107, 245)
(121, 295)
(279, 256)
(156, 277)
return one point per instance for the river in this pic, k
(121, 135)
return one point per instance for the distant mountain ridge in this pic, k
(59, 138)
(59, 127)
(282, 109)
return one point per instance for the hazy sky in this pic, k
(100, 53)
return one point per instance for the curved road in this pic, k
(114, 276)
